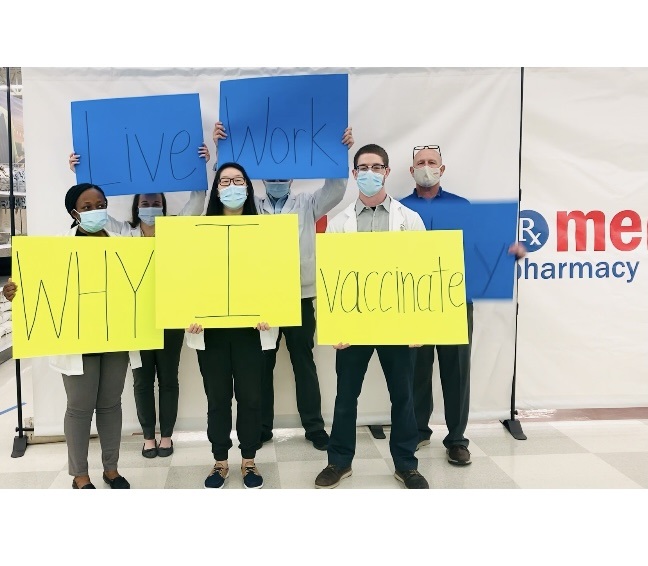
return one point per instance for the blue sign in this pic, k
(286, 127)
(489, 229)
(146, 144)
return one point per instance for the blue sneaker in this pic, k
(252, 479)
(216, 478)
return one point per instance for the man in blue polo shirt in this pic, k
(454, 360)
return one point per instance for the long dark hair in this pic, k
(215, 206)
(135, 219)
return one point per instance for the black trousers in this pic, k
(232, 365)
(351, 365)
(163, 363)
(300, 343)
(454, 369)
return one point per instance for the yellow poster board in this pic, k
(378, 288)
(83, 295)
(227, 271)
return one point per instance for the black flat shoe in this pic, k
(86, 486)
(164, 452)
(150, 452)
(118, 483)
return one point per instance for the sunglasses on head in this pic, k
(418, 148)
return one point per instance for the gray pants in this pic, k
(98, 390)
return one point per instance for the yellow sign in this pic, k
(377, 288)
(227, 271)
(83, 295)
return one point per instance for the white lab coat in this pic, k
(400, 218)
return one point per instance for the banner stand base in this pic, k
(377, 431)
(19, 446)
(515, 428)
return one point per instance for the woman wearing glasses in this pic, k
(231, 359)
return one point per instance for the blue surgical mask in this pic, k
(93, 220)
(370, 183)
(148, 215)
(233, 197)
(278, 190)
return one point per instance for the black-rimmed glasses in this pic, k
(376, 168)
(225, 181)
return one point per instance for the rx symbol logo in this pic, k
(534, 230)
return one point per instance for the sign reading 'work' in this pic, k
(286, 127)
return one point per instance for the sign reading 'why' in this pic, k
(83, 295)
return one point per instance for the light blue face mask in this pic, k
(93, 220)
(370, 183)
(277, 189)
(233, 197)
(148, 214)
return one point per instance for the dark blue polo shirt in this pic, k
(424, 206)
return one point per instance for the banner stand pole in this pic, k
(512, 424)
(20, 441)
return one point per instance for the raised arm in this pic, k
(331, 194)
(196, 204)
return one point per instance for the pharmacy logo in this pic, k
(534, 230)
(607, 240)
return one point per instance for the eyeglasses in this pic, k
(418, 148)
(225, 181)
(376, 168)
(277, 180)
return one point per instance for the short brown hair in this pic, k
(371, 148)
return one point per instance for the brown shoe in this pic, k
(331, 476)
(458, 455)
(412, 479)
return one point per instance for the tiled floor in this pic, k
(514, 491)
(586, 453)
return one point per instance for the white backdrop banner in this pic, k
(583, 318)
(473, 114)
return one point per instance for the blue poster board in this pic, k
(287, 127)
(489, 230)
(146, 144)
